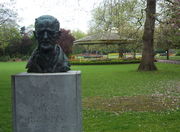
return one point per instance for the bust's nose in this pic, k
(45, 35)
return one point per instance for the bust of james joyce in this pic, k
(48, 57)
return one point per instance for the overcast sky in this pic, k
(72, 14)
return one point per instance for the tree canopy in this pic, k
(123, 17)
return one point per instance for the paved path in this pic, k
(169, 61)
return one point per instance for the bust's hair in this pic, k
(45, 18)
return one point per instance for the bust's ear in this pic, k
(34, 32)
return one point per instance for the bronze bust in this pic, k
(48, 57)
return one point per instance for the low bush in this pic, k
(24, 58)
(13, 58)
(4, 58)
(104, 62)
(178, 54)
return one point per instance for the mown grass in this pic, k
(100, 121)
(115, 97)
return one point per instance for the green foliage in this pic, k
(123, 17)
(5, 58)
(12, 42)
(8, 35)
(168, 35)
(78, 49)
(137, 44)
(160, 51)
(25, 58)
(23, 47)
(78, 34)
(178, 53)
(103, 62)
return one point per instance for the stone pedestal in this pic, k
(49, 102)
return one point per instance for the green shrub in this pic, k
(4, 58)
(178, 54)
(24, 58)
(104, 62)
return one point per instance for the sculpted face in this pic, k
(46, 32)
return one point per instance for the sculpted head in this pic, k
(46, 32)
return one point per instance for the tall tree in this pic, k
(124, 17)
(168, 34)
(8, 26)
(78, 34)
(8, 35)
(117, 15)
(77, 49)
(165, 38)
(147, 62)
(136, 45)
(8, 14)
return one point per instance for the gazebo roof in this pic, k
(103, 38)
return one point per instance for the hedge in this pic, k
(104, 62)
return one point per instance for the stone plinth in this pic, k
(49, 102)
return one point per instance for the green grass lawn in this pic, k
(116, 98)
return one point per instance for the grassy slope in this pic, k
(108, 81)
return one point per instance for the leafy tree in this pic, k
(169, 13)
(137, 44)
(164, 39)
(8, 35)
(66, 41)
(23, 47)
(78, 34)
(121, 16)
(77, 49)
(147, 62)
(8, 26)
(26, 45)
(8, 14)
(167, 35)
(13, 48)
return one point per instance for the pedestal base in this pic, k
(49, 102)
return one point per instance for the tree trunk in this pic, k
(134, 54)
(147, 62)
(120, 51)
